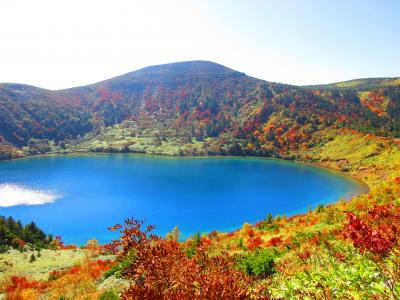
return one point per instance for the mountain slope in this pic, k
(379, 95)
(362, 84)
(29, 112)
(196, 101)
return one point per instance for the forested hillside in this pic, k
(190, 105)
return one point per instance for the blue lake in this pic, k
(85, 194)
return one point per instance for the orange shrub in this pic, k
(15, 289)
(162, 270)
(254, 242)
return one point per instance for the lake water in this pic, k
(79, 197)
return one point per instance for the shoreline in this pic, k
(366, 186)
(362, 188)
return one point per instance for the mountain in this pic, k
(195, 101)
(380, 95)
(362, 84)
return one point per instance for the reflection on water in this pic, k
(12, 195)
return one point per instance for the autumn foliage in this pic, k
(162, 270)
(19, 284)
(72, 282)
(378, 232)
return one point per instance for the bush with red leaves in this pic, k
(19, 283)
(378, 232)
(275, 241)
(162, 270)
(254, 243)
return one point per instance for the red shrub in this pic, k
(275, 241)
(250, 232)
(304, 255)
(254, 242)
(162, 270)
(316, 240)
(340, 256)
(377, 232)
(20, 283)
(20, 243)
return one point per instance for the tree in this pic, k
(269, 219)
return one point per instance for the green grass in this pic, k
(366, 157)
(18, 263)
(128, 137)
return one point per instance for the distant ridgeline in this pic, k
(195, 107)
(14, 234)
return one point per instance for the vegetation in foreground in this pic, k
(347, 250)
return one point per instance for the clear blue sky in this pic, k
(58, 44)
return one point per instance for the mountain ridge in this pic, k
(191, 64)
(363, 83)
(199, 100)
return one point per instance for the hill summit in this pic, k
(192, 102)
